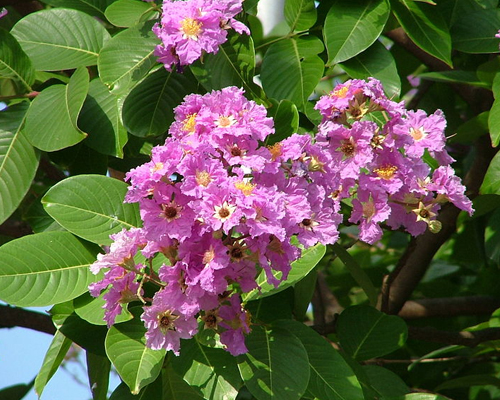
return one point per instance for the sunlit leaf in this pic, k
(276, 366)
(91, 206)
(60, 38)
(137, 364)
(127, 13)
(51, 121)
(352, 26)
(45, 268)
(14, 63)
(300, 14)
(18, 160)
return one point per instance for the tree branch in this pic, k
(11, 317)
(463, 338)
(325, 304)
(449, 307)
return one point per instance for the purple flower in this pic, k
(166, 325)
(236, 321)
(190, 28)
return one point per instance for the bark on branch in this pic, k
(11, 317)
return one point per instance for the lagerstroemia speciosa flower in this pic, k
(189, 28)
(219, 206)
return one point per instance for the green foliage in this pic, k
(86, 100)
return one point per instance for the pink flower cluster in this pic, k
(189, 28)
(219, 206)
(376, 150)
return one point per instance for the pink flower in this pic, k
(190, 28)
(236, 322)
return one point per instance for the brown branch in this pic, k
(463, 338)
(449, 307)
(324, 303)
(428, 334)
(11, 317)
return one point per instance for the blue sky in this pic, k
(21, 354)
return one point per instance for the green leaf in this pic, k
(385, 382)
(233, 65)
(352, 26)
(303, 292)
(127, 58)
(331, 376)
(18, 160)
(45, 268)
(51, 121)
(92, 7)
(53, 358)
(127, 13)
(359, 275)
(14, 63)
(213, 371)
(376, 61)
(300, 14)
(137, 364)
(176, 388)
(474, 128)
(425, 27)
(494, 123)
(15, 392)
(87, 336)
(300, 268)
(491, 182)
(101, 119)
(60, 39)
(286, 120)
(148, 109)
(98, 368)
(91, 309)
(468, 381)
(39, 220)
(291, 69)
(276, 366)
(475, 32)
(91, 206)
(365, 332)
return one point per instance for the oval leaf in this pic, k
(425, 27)
(376, 61)
(300, 14)
(127, 58)
(60, 38)
(101, 119)
(51, 122)
(352, 26)
(291, 69)
(331, 376)
(276, 366)
(18, 160)
(14, 63)
(91, 206)
(365, 332)
(137, 364)
(475, 32)
(491, 182)
(147, 110)
(92, 7)
(45, 268)
(127, 13)
(213, 371)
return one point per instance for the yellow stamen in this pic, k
(245, 187)
(189, 124)
(203, 178)
(191, 28)
(386, 171)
